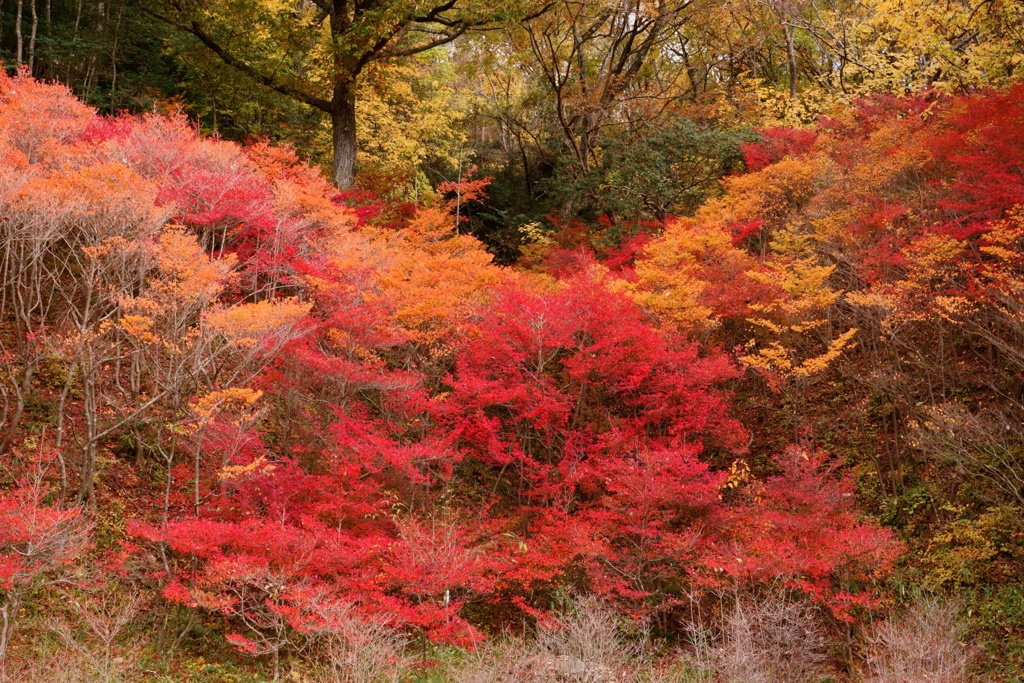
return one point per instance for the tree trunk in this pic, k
(90, 415)
(32, 39)
(791, 55)
(17, 31)
(19, 406)
(9, 613)
(343, 128)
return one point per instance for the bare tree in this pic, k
(73, 245)
(983, 445)
(96, 632)
(771, 639)
(353, 649)
(922, 646)
(595, 57)
(585, 645)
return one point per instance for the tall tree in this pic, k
(314, 51)
(595, 60)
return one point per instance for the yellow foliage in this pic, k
(771, 194)
(867, 300)
(231, 399)
(795, 270)
(739, 475)
(247, 325)
(779, 360)
(237, 473)
(947, 45)
(406, 116)
(802, 308)
(939, 266)
(964, 552)
(776, 107)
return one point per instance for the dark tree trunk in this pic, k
(343, 125)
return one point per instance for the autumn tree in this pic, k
(27, 238)
(315, 53)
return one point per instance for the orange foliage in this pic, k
(429, 278)
(692, 277)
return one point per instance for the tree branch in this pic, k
(231, 60)
(442, 39)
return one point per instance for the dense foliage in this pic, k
(295, 406)
(676, 341)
